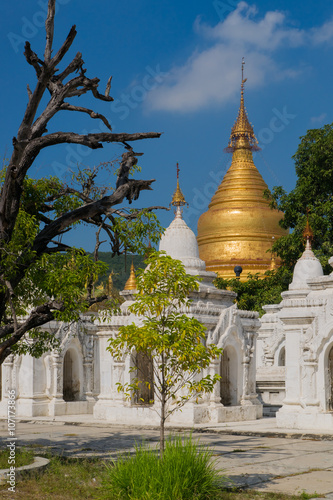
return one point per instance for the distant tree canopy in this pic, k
(257, 291)
(119, 266)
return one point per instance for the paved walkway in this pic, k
(253, 454)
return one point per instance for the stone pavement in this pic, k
(253, 454)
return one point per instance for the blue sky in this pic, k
(176, 69)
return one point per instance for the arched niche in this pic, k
(72, 376)
(281, 359)
(145, 375)
(229, 376)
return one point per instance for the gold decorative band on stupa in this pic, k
(242, 133)
(131, 282)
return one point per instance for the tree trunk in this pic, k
(162, 426)
(163, 392)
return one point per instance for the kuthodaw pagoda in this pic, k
(239, 226)
(279, 365)
(283, 362)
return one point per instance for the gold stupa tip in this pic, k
(131, 282)
(178, 199)
(242, 133)
(308, 233)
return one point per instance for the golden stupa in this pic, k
(178, 199)
(239, 227)
(131, 282)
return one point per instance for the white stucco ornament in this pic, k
(308, 266)
(180, 243)
(330, 261)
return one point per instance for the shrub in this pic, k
(186, 472)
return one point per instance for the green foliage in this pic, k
(134, 234)
(26, 228)
(36, 342)
(116, 266)
(30, 280)
(38, 193)
(256, 292)
(313, 191)
(62, 276)
(175, 341)
(186, 472)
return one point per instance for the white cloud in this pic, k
(212, 75)
(318, 119)
(322, 34)
(241, 27)
(208, 77)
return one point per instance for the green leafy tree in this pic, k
(170, 338)
(312, 197)
(41, 278)
(257, 290)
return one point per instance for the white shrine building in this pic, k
(82, 377)
(295, 348)
(288, 354)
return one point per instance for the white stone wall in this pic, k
(307, 318)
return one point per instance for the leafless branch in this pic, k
(39, 316)
(108, 87)
(29, 92)
(90, 112)
(49, 27)
(64, 48)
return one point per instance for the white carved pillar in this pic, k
(215, 395)
(309, 383)
(110, 372)
(57, 405)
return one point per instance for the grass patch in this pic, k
(84, 479)
(186, 472)
(22, 457)
(63, 479)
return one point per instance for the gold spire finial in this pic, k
(110, 284)
(308, 233)
(242, 134)
(178, 199)
(131, 282)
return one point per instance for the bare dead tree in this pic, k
(32, 137)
